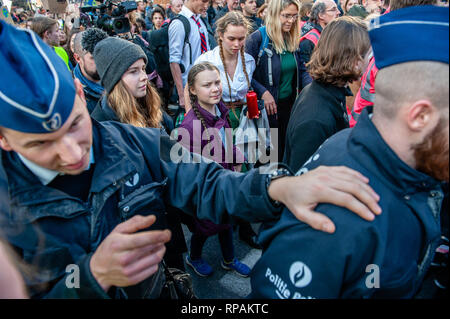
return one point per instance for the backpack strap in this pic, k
(264, 48)
(269, 65)
(313, 35)
(264, 43)
(187, 31)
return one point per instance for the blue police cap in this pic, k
(418, 33)
(37, 92)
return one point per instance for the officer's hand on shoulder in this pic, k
(126, 258)
(340, 186)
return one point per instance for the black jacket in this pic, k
(318, 113)
(221, 13)
(255, 23)
(151, 64)
(91, 101)
(211, 13)
(306, 46)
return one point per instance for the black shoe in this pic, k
(250, 240)
(441, 279)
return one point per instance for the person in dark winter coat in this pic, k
(280, 72)
(85, 201)
(212, 12)
(403, 148)
(320, 110)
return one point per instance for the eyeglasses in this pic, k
(289, 17)
(334, 9)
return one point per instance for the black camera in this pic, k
(106, 17)
(117, 23)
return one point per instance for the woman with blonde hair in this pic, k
(280, 72)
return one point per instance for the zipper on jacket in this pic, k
(435, 197)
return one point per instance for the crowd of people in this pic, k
(325, 122)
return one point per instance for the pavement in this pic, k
(222, 284)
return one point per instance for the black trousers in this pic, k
(281, 121)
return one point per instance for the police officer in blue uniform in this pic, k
(84, 202)
(404, 150)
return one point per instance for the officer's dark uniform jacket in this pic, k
(300, 262)
(133, 174)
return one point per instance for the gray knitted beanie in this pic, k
(113, 56)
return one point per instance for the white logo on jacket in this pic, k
(133, 181)
(300, 274)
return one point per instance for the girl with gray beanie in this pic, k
(129, 96)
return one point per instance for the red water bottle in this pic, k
(252, 105)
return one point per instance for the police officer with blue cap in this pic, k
(403, 148)
(85, 201)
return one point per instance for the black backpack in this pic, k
(158, 41)
(159, 45)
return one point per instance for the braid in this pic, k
(228, 81)
(229, 121)
(224, 67)
(202, 120)
(244, 67)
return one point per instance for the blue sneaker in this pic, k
(241, 269)
(201, 267)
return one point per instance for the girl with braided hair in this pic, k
(236, 69)
(206, 130)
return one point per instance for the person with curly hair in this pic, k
(86, 69)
